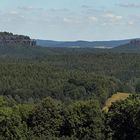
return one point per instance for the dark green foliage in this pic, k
(11, 125)
(75, 77)
(123, 120)
(23, 110)
(80, 120)
(138, 87)
(30, 74)
(90, 86)
(46, 119)
(27, 82)
(83, 120)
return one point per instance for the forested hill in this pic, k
(10, 39)
(16, 46)
(132, 46)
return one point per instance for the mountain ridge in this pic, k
(82, 43)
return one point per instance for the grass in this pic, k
(114, 98)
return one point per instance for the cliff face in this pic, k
(9, 39)
(135, 42)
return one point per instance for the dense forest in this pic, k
(59, 93)
(70, 76)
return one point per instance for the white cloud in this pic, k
(59, 10)
(93, 19)
(85, 6)
(129, 5)
(73, 20)
(30, 8)
(13, 12)
(113, 18)
(67, 20)
(131, 22)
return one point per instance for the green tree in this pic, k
(123, 120)
(46, 119)
(11, 126)
(83, 120)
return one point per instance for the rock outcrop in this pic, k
(135, 42)
(9, 39)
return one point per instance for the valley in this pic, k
(41, 85)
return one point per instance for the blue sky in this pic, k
(71, 19)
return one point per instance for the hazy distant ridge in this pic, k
(82, 44)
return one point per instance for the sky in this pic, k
(71, 19)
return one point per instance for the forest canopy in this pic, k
(59, 94)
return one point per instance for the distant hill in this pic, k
(82, 44)
(10, 39)
(12, 45)
(132, 46)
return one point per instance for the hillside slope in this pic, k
(132, 46)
